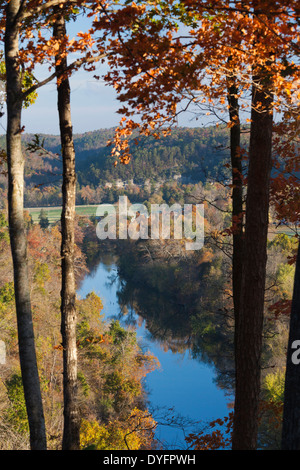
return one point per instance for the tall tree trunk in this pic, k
(291, 410)
(251, 313)
(237, 198)
(18, 238)
(68, 289)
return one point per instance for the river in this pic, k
(184, 384)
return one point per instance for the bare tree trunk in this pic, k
(291, 410)
(18, 239)
(250, 322)
(68, 291)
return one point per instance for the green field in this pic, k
(53, 213)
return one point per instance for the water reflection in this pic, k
(194, 348)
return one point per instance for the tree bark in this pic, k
(68, 289)
(18, 238)
(291, 410)
(250, 321)
(237, 198)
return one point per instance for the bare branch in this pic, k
(74, 65)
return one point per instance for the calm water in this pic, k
(182, 383)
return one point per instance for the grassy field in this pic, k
(53, 213)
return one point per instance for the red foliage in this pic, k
(217, 439)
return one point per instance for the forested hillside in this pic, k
(192, 153)
(188, 156)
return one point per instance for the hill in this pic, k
(188, 155)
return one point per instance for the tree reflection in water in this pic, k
(176, 306)
(184, 306)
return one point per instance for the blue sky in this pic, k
(93, 103)
(93, 106)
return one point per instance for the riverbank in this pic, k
(186, 392)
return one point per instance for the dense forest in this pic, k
(161, 280)
(70, 379)
(112, 365)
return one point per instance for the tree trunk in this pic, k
(250, 321)
(68, 290)
(291, 410)
(18, 238)
(237, 198)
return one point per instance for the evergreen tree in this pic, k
(43, 219)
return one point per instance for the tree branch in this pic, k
(76, 64)
(26, 12)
